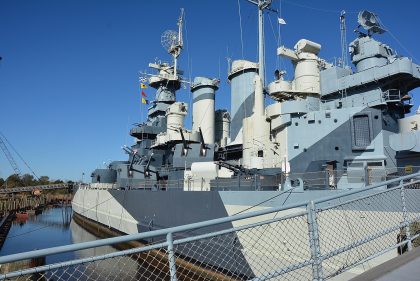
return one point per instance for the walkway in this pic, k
(405, 267)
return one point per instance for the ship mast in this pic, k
(176, 50)
(261, 4)
(344, 62)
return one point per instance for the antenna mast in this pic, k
(261, 4)
(344, 62)
(176, 50)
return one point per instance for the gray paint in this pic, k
(242, 99)
(320, 131)
(104, 176)
(163, 209)
(203, 88)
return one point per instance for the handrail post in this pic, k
(366, 173)
(316, 257)
(327, 180)
(171, 257)
(405, 217)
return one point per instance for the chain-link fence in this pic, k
(313, 240)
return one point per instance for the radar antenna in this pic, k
(172, 41)
(169, 39)
(370, 22)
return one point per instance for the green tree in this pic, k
(43, 180)
(13, 181)
(1, 182)
(28, 180)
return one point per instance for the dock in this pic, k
(5, 224)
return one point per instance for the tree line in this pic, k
(26, 180)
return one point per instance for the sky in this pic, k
(69, 74)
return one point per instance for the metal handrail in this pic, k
(188, 227)
(30, 188)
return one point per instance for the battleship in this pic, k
(255, 156)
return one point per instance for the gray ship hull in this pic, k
(133, 211)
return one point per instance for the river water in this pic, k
(56, 227)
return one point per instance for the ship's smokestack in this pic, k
(175, 115)
(204, 90)
(222, 124)
(241, 78)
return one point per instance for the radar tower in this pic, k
(173, 43)
(344, 61)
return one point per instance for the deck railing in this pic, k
(317, 240)
(32, 188)
(327, 179)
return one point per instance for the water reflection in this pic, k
(56, 227)
(43, 230)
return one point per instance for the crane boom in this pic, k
(9, 156)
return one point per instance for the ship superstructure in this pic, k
(331, 128)
(357, 115)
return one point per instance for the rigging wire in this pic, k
(288, 192)
(263, 39)
(240, 26)
(272, 30)
(219, 69)
(268, 199)
(189, 66)
(316, 9)
(278, 61)
(398, 41)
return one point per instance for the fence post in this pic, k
(317, 274)
(256, 183)
(171, 257)
(405, 217)
(366, 172)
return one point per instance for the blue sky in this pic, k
(69, 75)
